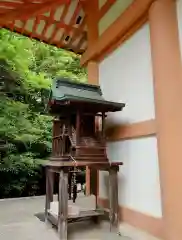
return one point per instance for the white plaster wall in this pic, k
(138, 178)
(126, 76)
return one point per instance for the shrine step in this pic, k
(91, 158)
(91, 147)
(95, 155)
(59, 158)
(90, 151)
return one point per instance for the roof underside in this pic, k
(57, 22)
(61, 23)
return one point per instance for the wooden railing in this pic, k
(58, 142)
(57, 150)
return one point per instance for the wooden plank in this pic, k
(113, 198)
(71, 23)
(111, 212)
(63, 205)
(116, 205)
(93, 181)
(85, 214)
(90, 147)
(51, 183)
(29, 9)
(47, 203)
(56, 163)
(78, 122)
(65, 10)
(82, 215)
(104, 9)
(70, 176)
(49, 190)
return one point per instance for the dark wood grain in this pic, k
(63, 205)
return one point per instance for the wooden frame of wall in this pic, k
(160, 14)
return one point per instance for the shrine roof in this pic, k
(65, 90)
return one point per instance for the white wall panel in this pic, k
(126, 76)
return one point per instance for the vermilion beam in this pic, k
(105, 8)
(28, 10)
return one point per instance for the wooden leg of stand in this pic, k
(113, 198)
(95, 192)
(74, 193)
(63, 205)
(49, 191)
(69, 185)
(116, 205)
(47, 203)
(94, 184)
(51, 183)
(87, 181)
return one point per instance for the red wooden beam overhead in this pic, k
(63, 23)
(57, 22)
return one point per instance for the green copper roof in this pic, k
(64, 89)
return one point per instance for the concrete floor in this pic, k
(18, 221)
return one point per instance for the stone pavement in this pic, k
(18, 221)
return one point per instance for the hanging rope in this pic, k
(74, 183)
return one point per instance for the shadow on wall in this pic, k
(121, 185)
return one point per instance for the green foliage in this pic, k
(27, 68)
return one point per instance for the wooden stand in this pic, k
(63, 217)
(79, 141)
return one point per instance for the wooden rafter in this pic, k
(59, 25)
(78, 32)
(65, 11)
(30, 10)
(23, 28)
(10, 5)
(28, 16)
(37, 37)
(72, 21)
(82, 40)
(12, 26)
(36, 22)
(49, 22)
(105, 8)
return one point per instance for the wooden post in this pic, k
(78, 122)
(63, 205)
(115, 190)
(69, 184)
(51, 182)
(113, 197)
(103, 125)
(167, 72)
(87, 181)
(49, 190)
(96, 188)
(103, 130)
(47, 203)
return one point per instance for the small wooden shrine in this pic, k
(78, 141)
